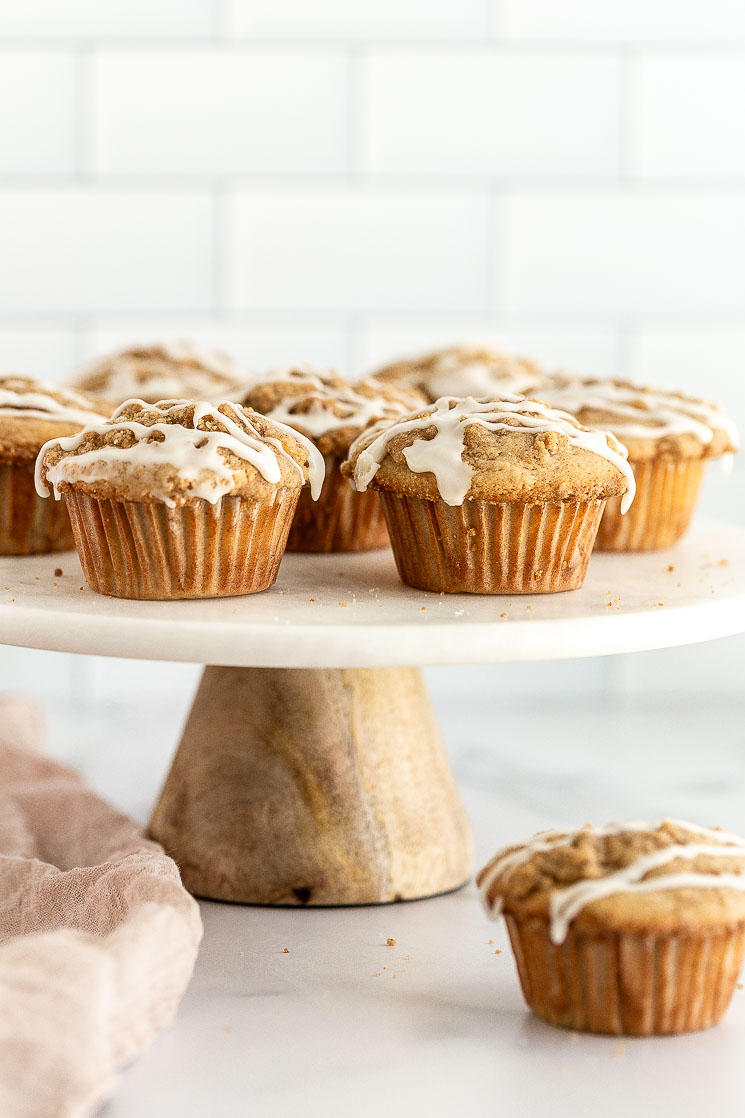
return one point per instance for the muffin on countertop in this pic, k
(180, 499)
(491, 496)
(31, 412)
(634, 927)
(163, 371)
(466, 371)
(332, 412)
(669, 437)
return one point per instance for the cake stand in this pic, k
(310, 771)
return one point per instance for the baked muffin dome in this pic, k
(510, 449)
(164, 371)
(466, 371)
(630, 876)
(177, 451)
(332, 412)
(651, 422)
(32, 411)
(327, 408)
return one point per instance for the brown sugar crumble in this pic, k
(390, 942)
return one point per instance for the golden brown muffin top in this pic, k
(651, 422)
(177, 452)
(466, 371)
(630, 876)
(513, 449)
(327, 408)
(31, 412)
(163, 371)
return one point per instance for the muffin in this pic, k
(670, 438)
(166, 371)
(330, 411)
(491, 496)
(31, 413)
(180, 499)
(635, 928)
(466, 371)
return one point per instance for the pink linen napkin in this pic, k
(98, 937)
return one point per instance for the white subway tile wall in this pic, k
(346, 182)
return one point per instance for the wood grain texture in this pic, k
(318, 787)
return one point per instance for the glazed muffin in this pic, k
(32, 412)
(491, 496)
(466, 371)
(670, 438)
(634, 928)
(176, 370)
(332, 412)
(180, 499)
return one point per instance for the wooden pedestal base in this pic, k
(313, 787)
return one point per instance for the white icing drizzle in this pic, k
(191, 451)
(668, 413)
(452, 374)
(126, 380)
(443, 454)
(35, 401)
(144, 368)
(565, 904)
(316, 412)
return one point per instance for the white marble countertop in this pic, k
(328, 1030)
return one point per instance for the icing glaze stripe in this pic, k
(36, 403)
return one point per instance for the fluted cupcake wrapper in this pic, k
(134, 549)
(666, 495)
(340, 520)
(481, 547)
(29, 524)
(630, 984)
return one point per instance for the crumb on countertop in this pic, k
(58, 572)
(390, 942)
(285, 951)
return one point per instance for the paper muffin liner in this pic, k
(341, 519)
(666, 495)
(29, 524)
(136, 549)
(481, 547)
(631, 984)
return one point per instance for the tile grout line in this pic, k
(494, 278)
(628, 61)
(221, 197)
(83, 125)
(355, 123)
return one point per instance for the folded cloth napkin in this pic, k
(97, 935)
